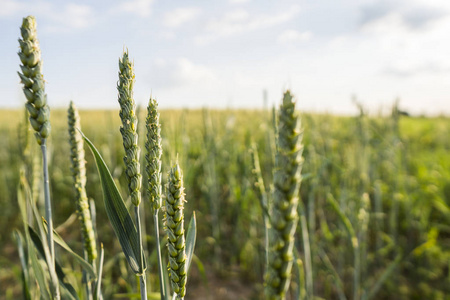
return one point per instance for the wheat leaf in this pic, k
(190, 240)
(118, 214)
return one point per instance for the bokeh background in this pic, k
(225, 53)
(372, 84)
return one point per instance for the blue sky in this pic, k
(225, 53)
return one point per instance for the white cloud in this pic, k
(180, 16)
(408, 68)
(240, 21)
(412, 15)
(60, 18)
(179, 72)
(141, 8)
(73, 16)
(292, 36)
(9, 7)
(238, 1)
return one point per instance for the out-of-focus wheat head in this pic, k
(33, 80)
(79, 177)
(287, 179)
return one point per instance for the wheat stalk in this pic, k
(79, 177)
(39, 111)
(129, 128)
(153, 156)
(284, 212)
(176, 244)
(130, 144)
(153, 169)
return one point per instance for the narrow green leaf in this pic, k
(24, 196)
(387, 272)
(190, 241)
(201, 269)
(59, 240)
(72, 294)
(345, 220)
(98, 283)
(45, 250)
(338, 282)
(166, 279)
(300, 276)
(38, 273)
(151, 296)
(118, 214)
(24, 263)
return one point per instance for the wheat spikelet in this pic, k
(153, 156)
(33, 80)
(176, 244)
(284, 213)
(79, 177)
(129, 128)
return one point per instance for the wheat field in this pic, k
(374, 213)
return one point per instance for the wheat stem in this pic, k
(48, 216)
(286, 197)
(160, 263)
(39, 112)
(153, 170)
(175, 232)
(132, 151)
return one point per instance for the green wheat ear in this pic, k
(287, 179)
(129, 128)
(175, 231)
(33, 80)
(153, 156)
(79, 177)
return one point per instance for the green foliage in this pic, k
(118, 215)
(344, 156)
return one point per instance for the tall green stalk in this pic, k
(176, 244)
(287, 179)
(258, 185)
(79, 177)
(132, 151)
(39, 111)
(153, 168)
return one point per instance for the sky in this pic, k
(224, 54)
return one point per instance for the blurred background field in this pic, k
(389, 175)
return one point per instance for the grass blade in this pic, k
(98, 289)
(379, 284)
(71, 292)
(190, 241)
(25, 196)
(58, 239)
(24, 263)
(118, 214)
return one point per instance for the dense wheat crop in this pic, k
(374, 213)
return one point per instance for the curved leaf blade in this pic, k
(118, 214)
(190, 240)
(71, 292)
(59, 240)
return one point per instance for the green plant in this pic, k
(132, 151)
(39, 111)
(284, 216)
(174, 218)
(153, 169)
(79, 178)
